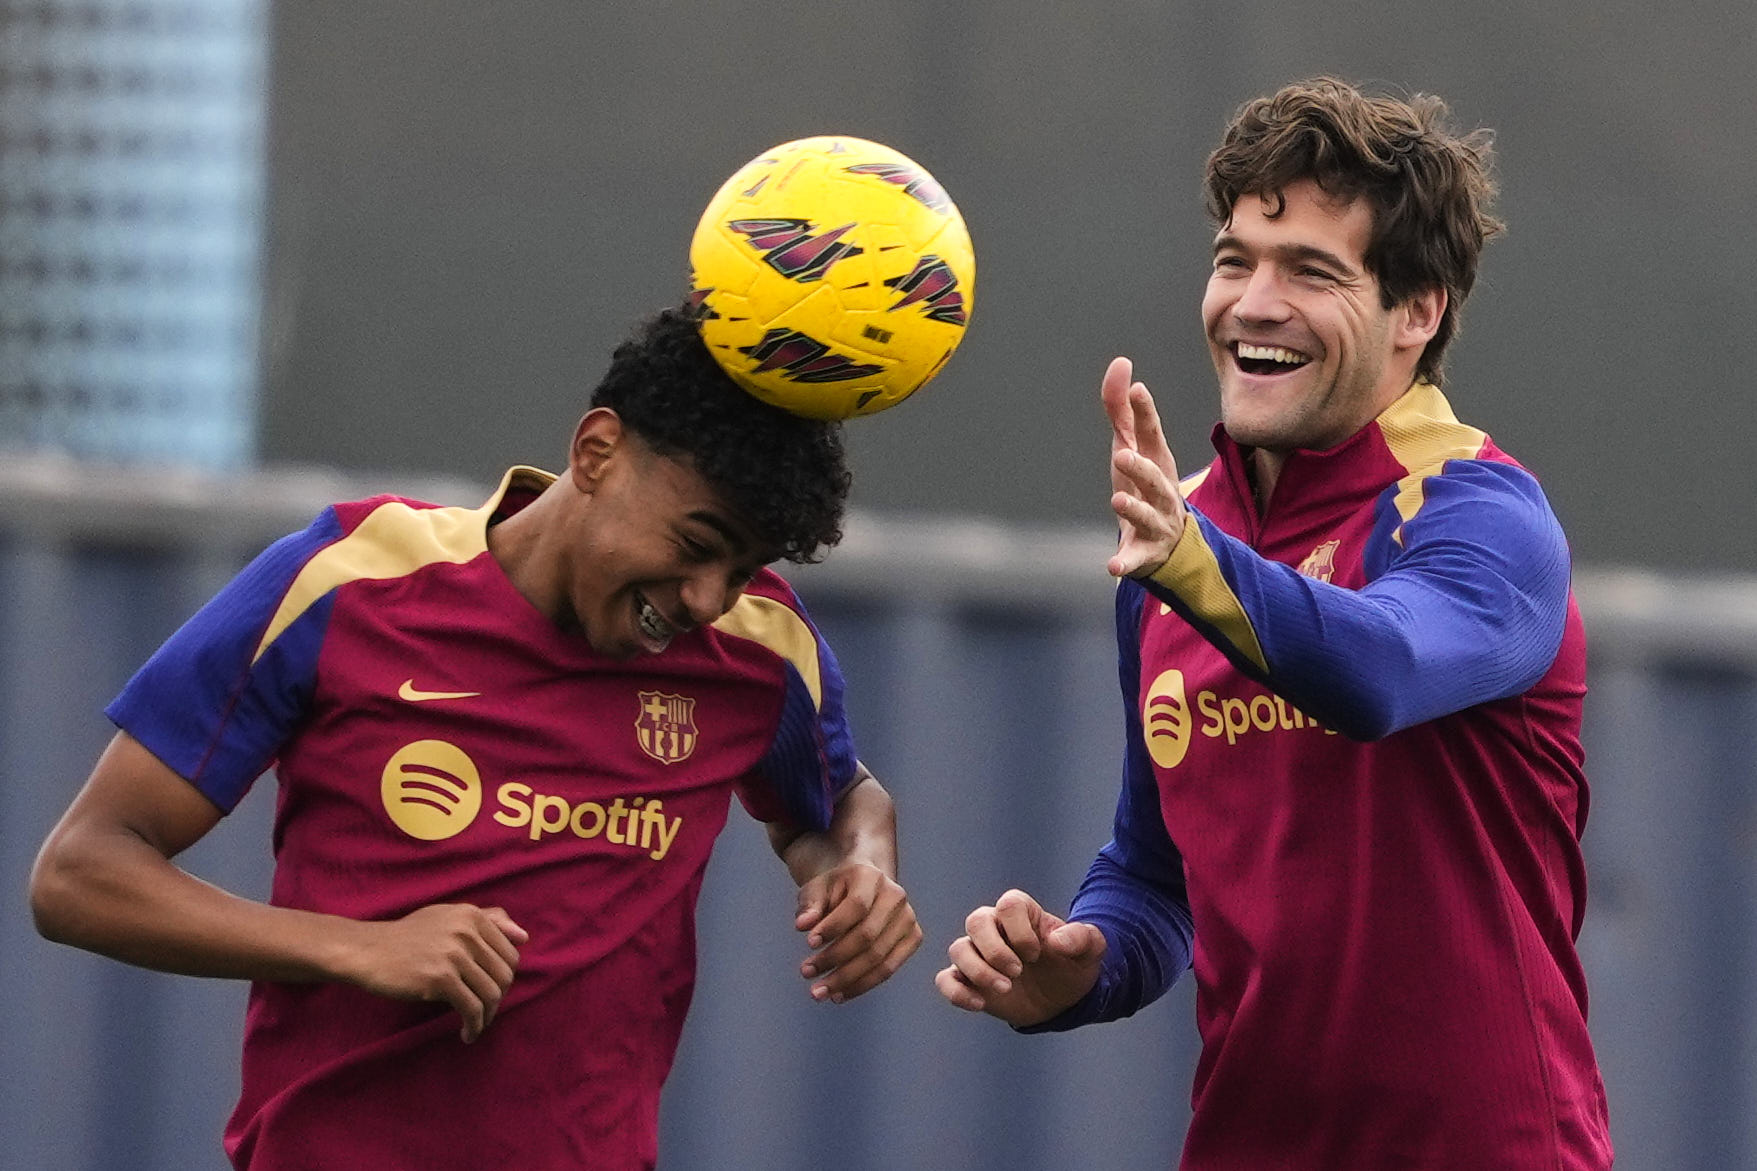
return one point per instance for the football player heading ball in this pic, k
(505, 739)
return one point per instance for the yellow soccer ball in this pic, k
(833, 275)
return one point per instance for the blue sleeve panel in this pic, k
(206, 703)
(1465, 603)
(1134, 891)
(811, 761)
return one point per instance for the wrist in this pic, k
(336, 949)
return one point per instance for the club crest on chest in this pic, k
(665, 726)
(1320, 563)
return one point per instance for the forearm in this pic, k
(863, 829)
(105, 881)
(1465, 604)
(121, 898)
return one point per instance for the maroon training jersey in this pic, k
(1355, 758)
(437, 739)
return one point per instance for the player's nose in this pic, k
(707, 596)
(1263, 298)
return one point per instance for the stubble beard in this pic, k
(1280, 428)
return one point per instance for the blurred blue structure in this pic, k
(983, 692)
(131, 183)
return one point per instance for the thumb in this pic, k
(813, 902)
(1076, 941)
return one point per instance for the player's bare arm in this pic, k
(1018, 962)
(1143, 476)
(104, 881)
(859, 923)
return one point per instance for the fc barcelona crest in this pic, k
(1321, 562)
(666, 726)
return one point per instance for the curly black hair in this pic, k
(783, 475)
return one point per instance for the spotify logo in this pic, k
(431, 790)
(1165, 719)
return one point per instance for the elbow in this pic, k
(1366, 726)
(56, 904)
(49, 899)
(1374, 697)
(1363, 716)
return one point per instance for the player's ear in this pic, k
(1421, 315)
(595, 442)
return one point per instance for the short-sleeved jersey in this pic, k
(438, 739)
(1355, 766)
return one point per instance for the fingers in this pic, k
(847, 896)
(998, 942)
(867, 931)
(1143, 475)
(1136, 562)
(1148, 463)
(811, 913)
(512, 931)
(1152, 519)
(833, 902)
(1149, 434)
(1020, 922)
(973, 980)
(1113, 391)
(871, 964)
(496, 957)
(476, 995)
(1146, 483)
(991, 978)
(482, 969)
(957, 990)
(454, 954)
(467, 984)
(1134, 419)
(1148, 506)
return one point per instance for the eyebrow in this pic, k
(1291, 252)
(713, 520)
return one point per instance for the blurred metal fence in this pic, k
(983, 693)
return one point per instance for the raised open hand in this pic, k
(1143, 476)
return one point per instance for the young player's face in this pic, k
(1306, 353)
(654, 553)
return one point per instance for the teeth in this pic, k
(1272, 354)
(652, 624)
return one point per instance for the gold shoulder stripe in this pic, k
(1192, 572)
(1193, 481)
(778, 627)
(393, 540)
(1423, 433)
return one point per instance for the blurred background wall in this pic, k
(471, 202)
(254, 257)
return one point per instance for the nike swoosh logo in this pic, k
(409, 692)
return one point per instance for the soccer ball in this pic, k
(833, 277)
